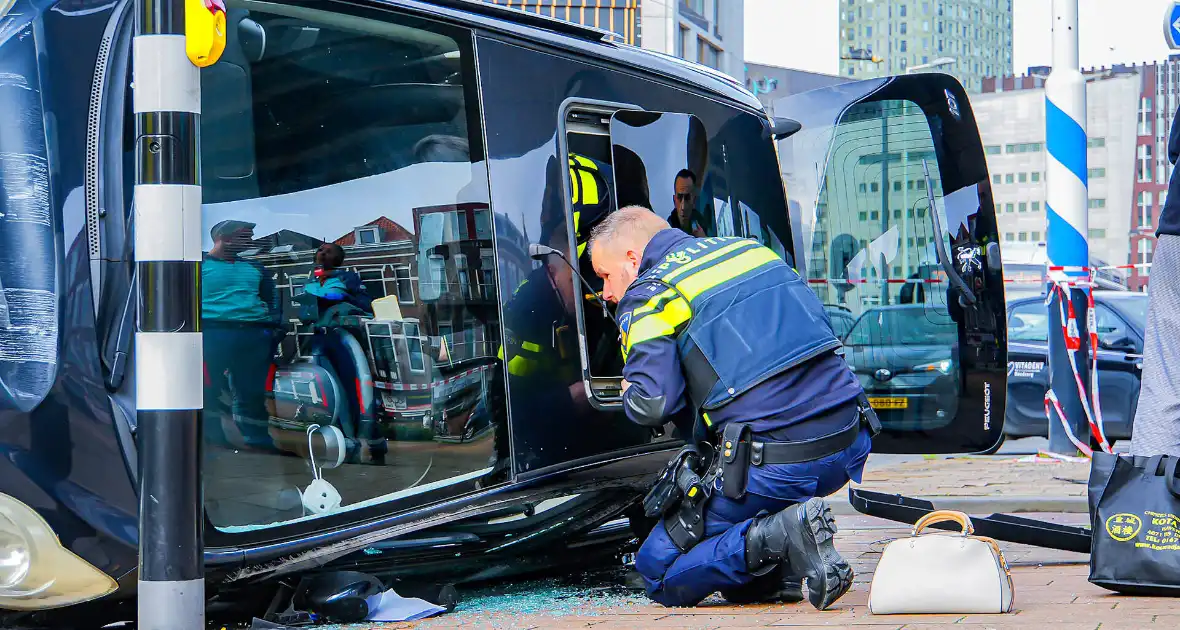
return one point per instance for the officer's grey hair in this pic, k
(634, 223)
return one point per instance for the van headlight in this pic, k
(943, 366)
(36, 571)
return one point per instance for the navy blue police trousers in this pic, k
(718, 561)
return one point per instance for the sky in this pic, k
(803, 33)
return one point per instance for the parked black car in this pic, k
(1121, 317)
(905, 358)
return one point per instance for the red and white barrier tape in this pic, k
(1069, 331)
(401, 387)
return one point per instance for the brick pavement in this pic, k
(1051, 586)
(1051, 592)
(979, 477)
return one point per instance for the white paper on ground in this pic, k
(389, 606)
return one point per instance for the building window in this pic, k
(1036, 176)
(1144, 208)
(405, 285)
(1023, 237)
(1144, 163)
(1023, 178)
(1023, 206)
(1097, 233)
(903, 43)
(1009, 236)
(1009, 207)
(368, 236)
(707, 54)
(1096, 142)
(1036, 206)
(992, 149)
(1010, 178)
(903, 28)
(1144, 248)
(1036, 236)
(1097, 203)
(1096, 173)
(902, 11)
(997, 178)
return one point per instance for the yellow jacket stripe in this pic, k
(660, 318)
(659, 323)
(731, 269)
(708, 258)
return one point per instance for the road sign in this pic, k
(1172, 26)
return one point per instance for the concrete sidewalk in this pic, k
(977, 484)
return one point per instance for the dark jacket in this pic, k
(752, 344)
(1169, 222)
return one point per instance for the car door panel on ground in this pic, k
(1120, 318)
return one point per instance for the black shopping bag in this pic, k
(1135, 524)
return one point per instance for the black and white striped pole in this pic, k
(168, 375)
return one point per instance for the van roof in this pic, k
(587, 41)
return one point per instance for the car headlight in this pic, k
(943, 366)
(36, 571)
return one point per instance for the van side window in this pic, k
(350, 317)
(746, 186)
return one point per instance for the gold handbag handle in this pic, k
(940, 516)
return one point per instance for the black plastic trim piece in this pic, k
(1015, 529)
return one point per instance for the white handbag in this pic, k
(941, 573)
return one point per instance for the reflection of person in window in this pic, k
(333, 285)
(685, 201)
(540, 355)
(240, 317)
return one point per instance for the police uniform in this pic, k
(724, 325)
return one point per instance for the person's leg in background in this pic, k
(1156, 429)
(253, 353)
(218, 352)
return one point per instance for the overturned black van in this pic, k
(466, 424)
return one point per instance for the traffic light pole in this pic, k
(1068, 228)
(168, 373)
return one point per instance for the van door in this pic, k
(894, 224)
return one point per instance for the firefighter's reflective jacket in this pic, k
(590, 195)
(716, 317)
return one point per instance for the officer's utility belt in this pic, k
(679, 495)
(738, 451)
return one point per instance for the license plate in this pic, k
(888, 402)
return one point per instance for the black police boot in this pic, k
(778, 586)
(801, 536)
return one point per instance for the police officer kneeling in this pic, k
(724, 325)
